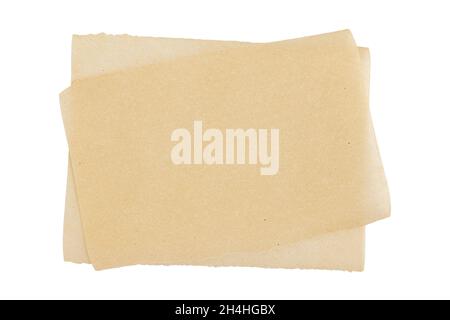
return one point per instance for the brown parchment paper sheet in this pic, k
(260, 258)
(100, 54)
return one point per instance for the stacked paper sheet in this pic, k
(220, 153)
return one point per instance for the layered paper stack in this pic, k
(193, 152)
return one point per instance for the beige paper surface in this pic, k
(101, 54)
(376, 180)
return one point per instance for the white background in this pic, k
(408, 255)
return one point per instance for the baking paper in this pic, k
(308, 51)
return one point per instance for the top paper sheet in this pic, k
(136, 204)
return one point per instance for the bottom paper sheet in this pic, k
(101, 54)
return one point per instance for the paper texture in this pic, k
(364, 187)
(101, 54)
